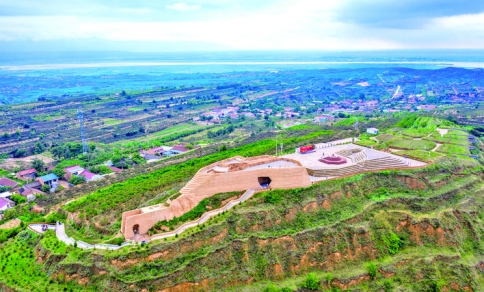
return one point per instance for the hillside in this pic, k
(404, 230)
(419, 228)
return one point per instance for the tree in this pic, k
(20, 153)
(100, 169)
(4, 189)
(39, 165)
(45, 188)
(372, 270)
(77, 179)
(58, 171)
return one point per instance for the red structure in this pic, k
(333, 160)
(305, 149)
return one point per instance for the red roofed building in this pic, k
(28, 174)
(180, 148)
(5, 182)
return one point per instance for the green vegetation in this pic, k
(420, 155)
(411, 144)
(419, 127)
(453, 149)
(110, 121)
(414, 230)
(19, 267)
(213, 202)
(312, 282)
(349, 121)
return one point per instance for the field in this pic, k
(453, 149)
(420, 155)
(110, 121)
(411, 144)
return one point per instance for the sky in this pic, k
(212, 25)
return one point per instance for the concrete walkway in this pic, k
(206, 216)
(60, 232)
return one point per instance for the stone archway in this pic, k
(264, 182)
(135, 229)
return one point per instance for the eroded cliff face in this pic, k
(324, 231)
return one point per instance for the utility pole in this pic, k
(276, 140)
(84, 146)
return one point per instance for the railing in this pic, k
(60, 233)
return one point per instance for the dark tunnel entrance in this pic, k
(136, 229)
(264, 182)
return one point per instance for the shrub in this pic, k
(45, 188)
(77, 179)
(311, 282)
(372, 270)
(272, 197)
(18, 199)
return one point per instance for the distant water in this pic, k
(62, 60)
(24, 77)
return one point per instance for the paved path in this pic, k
(60, 232)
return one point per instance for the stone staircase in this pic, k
(345, 152)
(362, 165)
(360, 158)
(194, 183)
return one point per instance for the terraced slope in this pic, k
(417, 230)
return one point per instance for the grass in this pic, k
(111, 121)
(385, 138)
(349, 121)
(136, 109)
(449, 138)
(453, 149)
(420, 155)
(19, 268)
(412, 144)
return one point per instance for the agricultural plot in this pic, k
(420, 155)
(385, 138)
(453, 149)
(406, 144)
(453, 137)
(110, 121)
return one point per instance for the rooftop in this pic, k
(27, 171)
(74, 169)
(3, 202)
(8, 182)
(49, 177)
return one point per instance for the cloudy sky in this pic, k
(162, 25)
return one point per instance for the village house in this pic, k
(51, 180)
(77, 170)
(6, 195)
(373, 131)
(324, 119)
(177, 149)
(291, 115)
(152, 158)
(158, 151)
(5, 182)
(28, 174)
(32, 185)
(6, 204)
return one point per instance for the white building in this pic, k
(373, 131)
